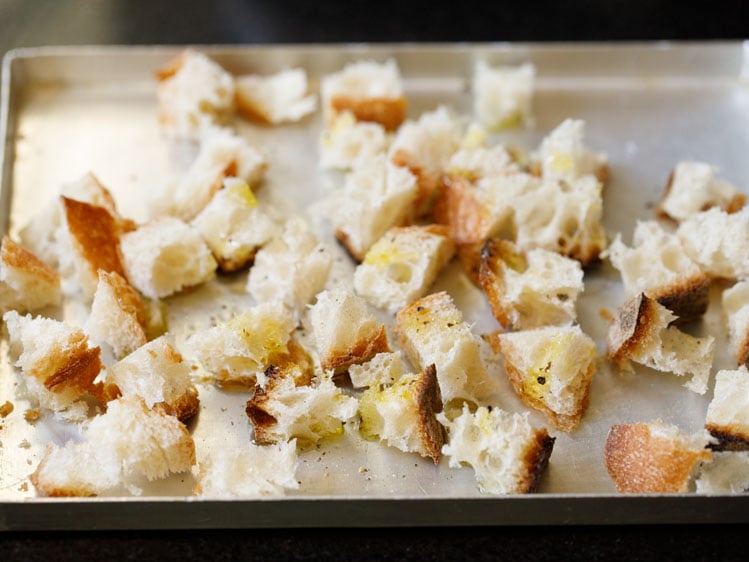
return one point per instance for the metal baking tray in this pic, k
(66, 111)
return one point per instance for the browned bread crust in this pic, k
(731, 437)
(388, 112)
(640, 462)
(687, 299)
(17, 257)
(339, 360)
(634, 325)
(429, 403)
(429, 184)
(495, 256)
(470, 258)
(456, 206)
(171, 68)
(535, 460)
(128, 299)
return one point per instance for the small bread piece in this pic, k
(425, 147)
(274, 99)
(346, 333)
(234, 226)
(502, 95)
(382, 369)
(376, 196)
(692, 188)
(94, 242)
(658, 266)
(26, 282)
(508, 455)
(402, 265)
(476, 162)
(57, 361)
(728, 413)
(222, 155)
(157, 373)
(532, 289)
(369, 90)
(736, 313)
(551, 369)
(291, 268)
(127, 443)
(290, 407)
(641, 332)
(728, 473)
(563, 155)
(432, 330)
(118, 315)
(253, 471)
(166, 255)
(195, 94)
(238, 352)
(717, 241)
(653, 458)
(347, 143)
(404, 414)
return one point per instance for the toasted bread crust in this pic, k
(46, 489)
(640, 462)
(731, 437)
(430, 185)
(388, 112)
(632, 326)
(456, 206)
(535, 461)
(248, 109)
(429, 401)
(16, 256)
(345, 241)
(470, 258)
(171, 68)
(78, 371)
(338, 360)
(184, 408)
(494, 255)
(127, 297)
(687, 299)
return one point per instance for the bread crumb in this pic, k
(6, 409)
(362, 470)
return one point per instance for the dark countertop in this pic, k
(57, 22)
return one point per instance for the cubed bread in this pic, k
(289, 407)
(222, 155)
(371, 91)
(551, 369)
(502, 95)
(476, 162)
(234, 226)
(346, 333)
(402, 265)
(26, 282)
(156, 373)
(93, 243)
(57, 362)
(291, 268)
(728, 473)
(642, 332)
(431, 330)
(347, 143)
(653, 458)
(508, 455)
(127, 443)
(727, 417)
(658, 266)
(274, 99)
(118, 315)
(165, 256)
(692, 187)
(253, 471)
(736, 313)
(382, 369)
(375, 197)
(425, 147)
(529, 289)
(564, 217)
(404, 414)
(238, 352)
(717, 241)
(563, 155)
(194, 94)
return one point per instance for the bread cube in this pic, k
(653, 458)
(642, 332)
(376, 196)
(529, 289)
(26, 282)
(563, 155)
(727, 417)
(383, 369)
(346, 333)
(502, 95)
(728, 473)
(348, 143)
(165, 256)
(371, 91)
(404, 414)
(692, 187)
(476, 162)
(234, 226)
(194, 94)
(736, 313)
(658, 266)
(431, 330)
(508, 455)
(274, 99)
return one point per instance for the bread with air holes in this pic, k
(26, 282)
(273, 99)
(563, 155)
(383, 369)
(347, 143)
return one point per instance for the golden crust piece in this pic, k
(535, 459)
(733, 437)
(456, 206)
(430, 185)
(339, 360)
(429, 403)
(388, 112)
(17, 257)
(640, 462)
(495, 255)
(635, 325)
(470, 258)
(184, 408)
(687, 299)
